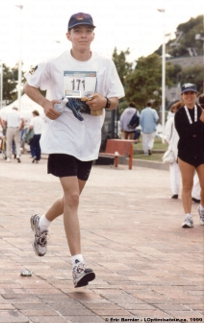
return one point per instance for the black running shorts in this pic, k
(62, 165)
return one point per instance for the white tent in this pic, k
(26, 108)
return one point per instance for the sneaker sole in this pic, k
(85, 280)
(186, 226)
(38, 254)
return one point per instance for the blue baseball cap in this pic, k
(80, 18)
(188, 87)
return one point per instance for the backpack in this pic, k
(134, 121)
(28, 135)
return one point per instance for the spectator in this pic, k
(15, 124)
(196, 184)
(125, 118)
(189, 123)
(36, 125)
(172, 139)
(148, 122)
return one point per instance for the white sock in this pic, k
(44, 223)
(77, 257)
(201, 207)
(188, 215)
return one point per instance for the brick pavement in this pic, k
(147, 266)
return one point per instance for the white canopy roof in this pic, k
(26, 108)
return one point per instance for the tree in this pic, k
(187, 31)
(173, 72)
(194, 75)
(144, 83)
(122, 66)
(10, 81)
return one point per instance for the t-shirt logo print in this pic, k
(33, 69)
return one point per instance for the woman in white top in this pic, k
(125, 118)
(172, 138)
(36, 125)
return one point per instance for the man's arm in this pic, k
(34, 94)
(3, 124)
(48, 106)
(21, 124)
(98, 102)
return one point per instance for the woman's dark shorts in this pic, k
(62, 165)
(195, 161)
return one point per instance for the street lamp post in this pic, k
(20, 63)
(163, 74)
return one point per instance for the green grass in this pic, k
(154, 157)
(158, 150)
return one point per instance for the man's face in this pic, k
(81, 37)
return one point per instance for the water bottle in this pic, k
(59, 107)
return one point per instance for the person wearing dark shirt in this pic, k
(189, 123)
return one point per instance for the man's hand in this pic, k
(48, 106)
(96, 102)
(49, 110)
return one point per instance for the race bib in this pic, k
(79, 84)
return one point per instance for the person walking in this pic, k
(189, 123)
(148, 122)
(125, 118)
(15, 124)
(172, 138)
(72, 138)
(36, 125)
(196, 184)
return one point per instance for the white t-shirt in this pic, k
(36, 122)
(68, 135)
(125, 118)
(13, 118)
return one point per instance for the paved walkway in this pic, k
(147, 266)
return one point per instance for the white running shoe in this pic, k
(81, 275)
(40, 241)
(188, 222)
(201, 214)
